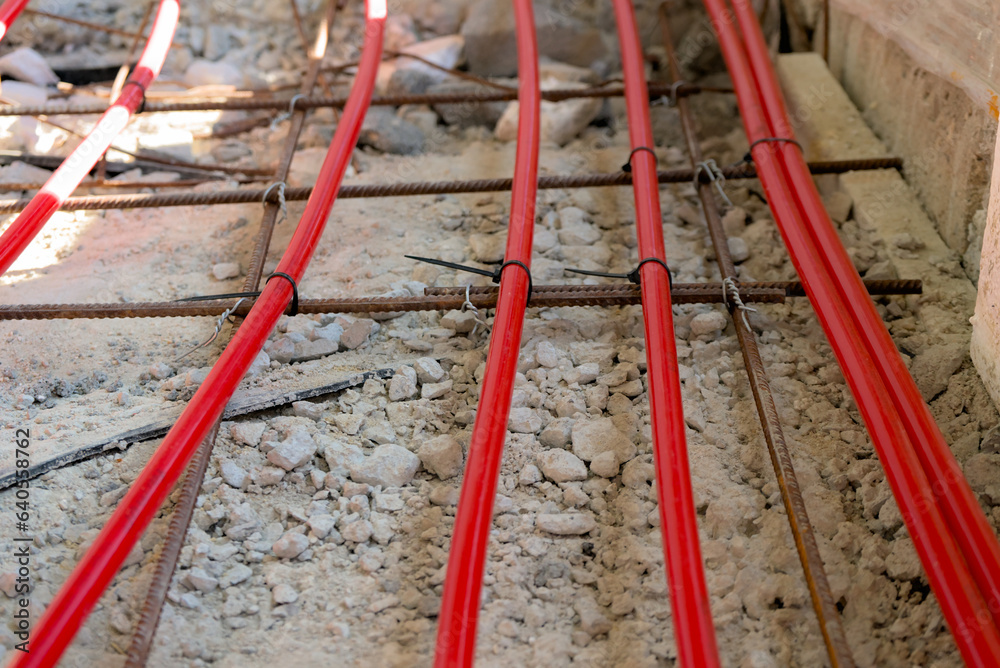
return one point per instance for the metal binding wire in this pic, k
(468, 306)
(285, 115)
(731, 295)
(218, 328)
(280, 185)
(670, 100)
(715, 175)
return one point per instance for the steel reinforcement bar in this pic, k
(444, 298)
(283, 104)
(824, 603)
(963, 515)
(416, 188)
(149, 615)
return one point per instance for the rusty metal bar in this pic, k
(441, 299)
(85, 24)
(173, 542)
(115, 185)
(656, 90)
(273, 206)
(791, 494)
(876, 287)
(143, 638)
(145, 200)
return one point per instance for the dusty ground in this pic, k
(323, 528)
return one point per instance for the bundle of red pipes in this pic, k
(955, 543)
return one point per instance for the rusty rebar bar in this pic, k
(656, 90)
(173, 542)
(85, 24)
(441, 299)
(247, 196)
(143, 637)
(117, 185)
(820, 592)
(875, 287)
(274, 206)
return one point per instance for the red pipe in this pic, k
(79, 163)
(952, 492)
(456, 640)
(961, 602)
(9, 11)
(696, 644)
(99, 565)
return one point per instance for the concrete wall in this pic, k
(925, 76)
(986, 322)
(941, 124)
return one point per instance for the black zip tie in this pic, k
(494, 275)
(499, 274)
(748, 158)
(227, 295)
(295, 289)
(633, 276)
(452, 265)
(142, 105)
(627, 167)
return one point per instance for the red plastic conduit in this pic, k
(696, 645)
(65, 179)
(97, 568)
(959, 598)
(952, 492)
(456, 640)
(8, 12)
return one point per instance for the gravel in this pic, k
(297, 450)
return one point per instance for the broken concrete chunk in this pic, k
(442, 456)
(389, 465)
(294, 451)
(566, 524)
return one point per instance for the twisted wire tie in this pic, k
(285, 115)
(731, 295)
(467, 306)
(280, 185)
(715, 175)
(218, 328)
